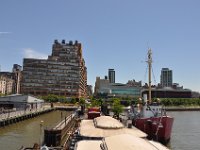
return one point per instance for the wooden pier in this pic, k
(56, 136)
(17, 116)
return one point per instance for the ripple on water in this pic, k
(186, 131)
(28, 132)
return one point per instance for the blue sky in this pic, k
(114, 34)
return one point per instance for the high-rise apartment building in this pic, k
(62, 73)
(166, 78)
(111, 75)
(89, 90)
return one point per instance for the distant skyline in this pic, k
(114, 34)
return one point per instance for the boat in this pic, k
(151, 117)
(93, 112)
(107, 133)
(119, 142)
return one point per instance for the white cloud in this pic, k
(5, 32)
(30, 53)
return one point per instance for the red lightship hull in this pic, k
(157, 128)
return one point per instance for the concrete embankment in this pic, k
(183, 108)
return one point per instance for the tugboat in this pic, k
(151, 117)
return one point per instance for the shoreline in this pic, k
(183, 108)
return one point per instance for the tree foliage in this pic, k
(2, 94)
(56, 98)
(181, 101)
(82, 101)
(117, 107)
(96, 102)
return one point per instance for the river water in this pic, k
(185, 132)
(28, 132)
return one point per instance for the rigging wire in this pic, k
(154, 77)
(145, 75)
(154, 82)
(146, 70)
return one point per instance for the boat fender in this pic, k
(44, 148)
(149, 122)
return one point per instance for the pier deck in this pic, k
(58, 135)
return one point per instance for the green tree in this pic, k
(96, 102)
(181, 101)
(117, 107)
(82, 101)
(73, 100)
(2, 94)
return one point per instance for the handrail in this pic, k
(160, 120)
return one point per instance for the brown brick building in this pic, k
(63, 73)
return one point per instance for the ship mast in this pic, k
(149, 62)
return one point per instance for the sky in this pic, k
(114, 34)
